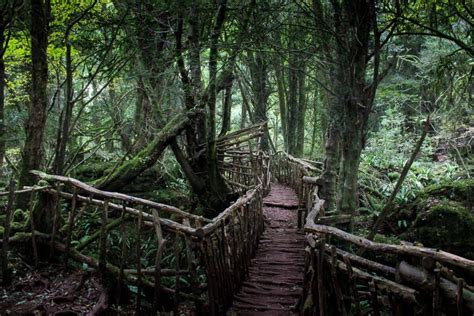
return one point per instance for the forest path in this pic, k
(276, 273)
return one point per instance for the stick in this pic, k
(72, 215)
(436, 292)
(122, 252)
(32, 225)
(459, 290)
(103, 238)
(56, 214)
(159, 253)
(139, 265)
(6, 277)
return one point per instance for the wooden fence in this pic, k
(346, 274)
(204, 260)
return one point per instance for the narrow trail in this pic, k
(276, 273)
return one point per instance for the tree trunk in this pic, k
(282, 103)
(63, 139)
(351, 150)
(258, 68)
(2, 94)
(226, 109)
(32, 154)
(147, 157)
(299, 150)
(331, 166)
(292, 102)
(316, 115)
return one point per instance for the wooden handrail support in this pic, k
(115, 195)
(317, 234)
(416, 251)
(230, 238)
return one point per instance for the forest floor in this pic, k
(52, 290)
(276, 273)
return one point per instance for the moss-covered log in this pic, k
(147, 157)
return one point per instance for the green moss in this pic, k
(17, 226)
(448, 225)
(459, 190)
(14, 227)
(19, 215)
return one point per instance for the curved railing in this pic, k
(211, 257)
(346, 274)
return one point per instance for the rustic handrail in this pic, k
(222, 247)
(115, 195)
(322, 286)
(393, 249)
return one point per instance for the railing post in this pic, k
(32, 226)
(159, 253)
(321, 290)
(72, 215)
(6, 276)
(56, 214)
(103, 238)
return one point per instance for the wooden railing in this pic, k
(290, 171)
(346, 274)
(210, 257)
(241, 169)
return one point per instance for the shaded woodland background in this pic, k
(134, 96)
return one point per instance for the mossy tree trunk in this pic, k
(299, 148)
(200, 165)
(32, 154)
(353, 25)
(147, 157)
(3, 25)
(258, 70)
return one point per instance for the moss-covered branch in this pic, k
(147, 157)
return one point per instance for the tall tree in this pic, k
(201, 158)
(32, 154)
(66, 117)
(350, 37)
(296, 97)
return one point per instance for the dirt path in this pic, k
(276, 272)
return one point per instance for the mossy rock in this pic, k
(459, 190)
(448, 225)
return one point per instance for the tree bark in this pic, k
(258, 69)
(216, 180)
(147, 157)
(32, 154)
(2, 91)
(226, 109)
(299, 150)
(292, 103)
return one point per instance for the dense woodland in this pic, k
(139, 96)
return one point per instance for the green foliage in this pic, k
(387, 150)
